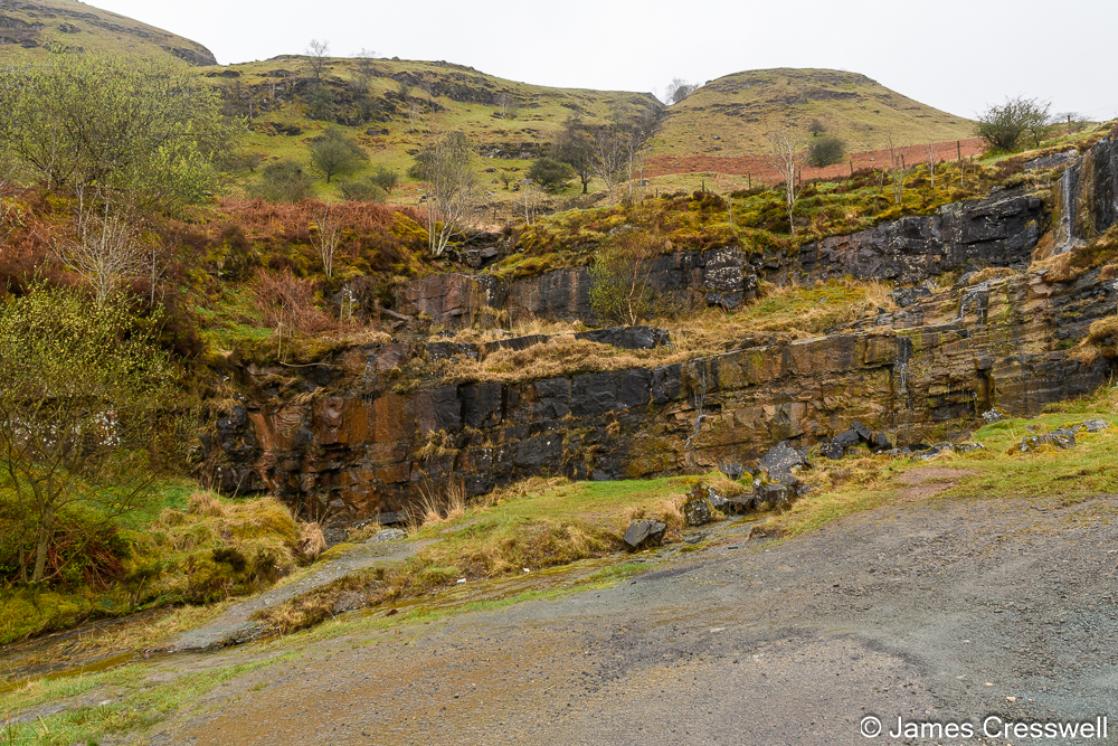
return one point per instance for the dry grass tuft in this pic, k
(1101, 341)
(312, 542)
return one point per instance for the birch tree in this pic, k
(325, 238)
(786, 158)
(105, 250)
(451, 194)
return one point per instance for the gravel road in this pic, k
(923, 609)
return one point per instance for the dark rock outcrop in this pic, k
(1001, 231)
(628, 337)
(344, 434)
(339, 434)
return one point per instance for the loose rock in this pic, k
(643, 533)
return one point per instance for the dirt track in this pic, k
(925, 608)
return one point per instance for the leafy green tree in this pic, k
(575, 146)
(825, 151)
(85, 395)
(114, 125)
(335, 154)
(284, 181)
(1004, 126)
(552, 175)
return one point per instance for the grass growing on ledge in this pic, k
(1073, 474)
(186, 547)
(791, 312)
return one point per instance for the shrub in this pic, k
(363, 190)
(385, 178)
(284, 181)
(335, 154)
(552, 175)
(1004, 126)
(620, 291)
(825, 151)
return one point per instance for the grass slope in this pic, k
(729, 117)
(508, 123)
(29, 29)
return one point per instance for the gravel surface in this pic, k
(923, 609)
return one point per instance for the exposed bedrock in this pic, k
(719, 277)
(347, 434)
(338, 435)
(1001, 231)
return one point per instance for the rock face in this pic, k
(1001, 231)
(723, 277)
(341, 434)
(1086, 197)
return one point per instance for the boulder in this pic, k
(779, 461)
(390, 534)
(1095, 426)
(628, 337)
(776, 494)
(643, 533)
(1062, 438)
(697, 510)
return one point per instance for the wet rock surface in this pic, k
(345, 433)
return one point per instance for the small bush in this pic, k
(552, 175)
(284, 181)
(385, 178)
(825, 151)
(1004, 126)
(363, 190)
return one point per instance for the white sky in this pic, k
(953, 54)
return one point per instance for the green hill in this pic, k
(729, 118)
(29, 28)
(393, 108)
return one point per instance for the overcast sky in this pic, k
(955, 55)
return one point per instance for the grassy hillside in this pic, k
(29, 28)
(729, 118)
(394, 108)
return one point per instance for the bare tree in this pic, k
(105, 249)
(452, 190)
(897, 172)
(678, 90)
(612, 149)
(786, 158)
(932, 165)
(317, 51)
(509, 104)
(531, 198)
(325, 238)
